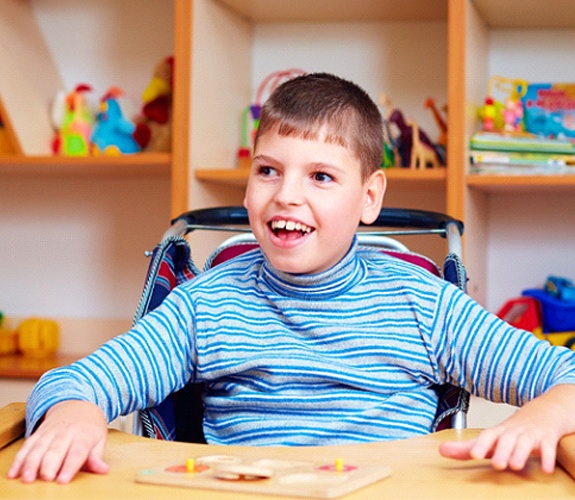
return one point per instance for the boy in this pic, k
(309, 340)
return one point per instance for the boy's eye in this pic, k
(322, 177)
(266, 170)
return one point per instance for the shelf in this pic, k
(521, 183)
(224, 176)
(18, 366)
(403, 178)
(138, 165)
(264, 11)
(531, 14)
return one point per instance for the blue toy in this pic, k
(113, 133)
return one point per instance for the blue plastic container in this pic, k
(558, 315)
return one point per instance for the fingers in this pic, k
(78, 456)
(26, 462)
(62, 445)
(508, 448)
(458, 450)
(57, 460)
(48, 457)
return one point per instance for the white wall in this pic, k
(74, 247)
(107, 43)
(406, 60)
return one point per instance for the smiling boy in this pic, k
(310, 339)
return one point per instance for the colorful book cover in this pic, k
(549, 109)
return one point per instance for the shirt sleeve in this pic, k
(133, 371)
(476, 350)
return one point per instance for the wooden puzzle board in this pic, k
(267, 475)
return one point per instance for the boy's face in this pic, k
(305, 199)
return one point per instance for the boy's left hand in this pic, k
(535, 429)
(507, 447)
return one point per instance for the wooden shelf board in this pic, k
(406, 178)
(530, 14)
(400, 177)
(224, 176)
(318, 11)
(521, 183)
(18, 366)
(138, 165)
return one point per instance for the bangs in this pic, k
(334, 131)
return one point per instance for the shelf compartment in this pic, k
(517, 14)
(403, 178)
(137, 165)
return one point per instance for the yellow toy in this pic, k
(507, 116)
(38, 338)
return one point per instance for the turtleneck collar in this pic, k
(325, 285)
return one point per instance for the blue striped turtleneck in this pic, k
(347, 355)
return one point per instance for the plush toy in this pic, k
(113, 132)
(72, 120)
(38, 337)
(154, 126)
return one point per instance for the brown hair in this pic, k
(303, 105)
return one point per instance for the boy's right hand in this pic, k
(72, 436)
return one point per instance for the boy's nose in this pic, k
(289, 192)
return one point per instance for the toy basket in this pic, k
(558, 315)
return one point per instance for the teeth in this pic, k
(290, 225)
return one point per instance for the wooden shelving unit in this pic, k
(105, 205)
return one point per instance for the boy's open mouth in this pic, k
(289, 229)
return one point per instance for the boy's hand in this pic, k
(535, 429)
(507, 447)
(72, 436)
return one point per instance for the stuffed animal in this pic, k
(113, 132)
(154, 125)
(72, 120)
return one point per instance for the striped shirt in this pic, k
(345, 356)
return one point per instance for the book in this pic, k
(521, 163)
(520, 142)
(549, 109)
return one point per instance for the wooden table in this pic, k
(418, 471)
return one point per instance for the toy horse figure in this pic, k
(405, 139)
(422, 155)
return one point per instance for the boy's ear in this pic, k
(375, 189)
